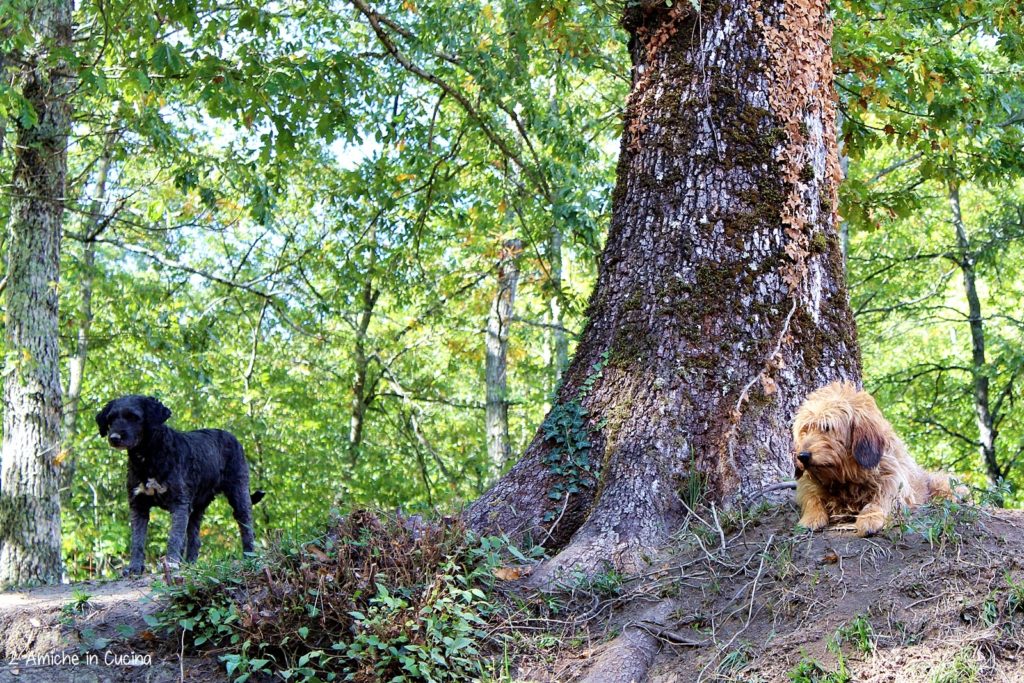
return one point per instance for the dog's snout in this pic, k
(804, 457)
(114, 436)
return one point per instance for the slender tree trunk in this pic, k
(76, 364)
(844, 226)
(360, 361)
(30, 497)
(979, 367)
(496, 377)
(559, 340)
(720, 300)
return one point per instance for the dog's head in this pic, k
(126, 420)
(839, 433)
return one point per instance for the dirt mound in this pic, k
(939, 597)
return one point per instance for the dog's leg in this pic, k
(813, 514)
(871, 519)
(176, 536)
(139, 520)
(873, 516)
(193, 542)
(195, 520)
(241, 503)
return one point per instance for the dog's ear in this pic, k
(102, 418)
(867, 440)
(155, 412)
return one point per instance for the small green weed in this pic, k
(605, 584)
(963, 669)
(857, 632)
(810, 670)
(79, 603)
(734, 661)
(1015, 595)
(940, 522)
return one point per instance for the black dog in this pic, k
(176, 471)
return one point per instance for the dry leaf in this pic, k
(511, 573)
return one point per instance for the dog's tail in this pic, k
(256, 496)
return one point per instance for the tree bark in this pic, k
(979, 368)
(499, 321)
(720, 300)
(30, 497)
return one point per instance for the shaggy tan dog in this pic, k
(850, 462)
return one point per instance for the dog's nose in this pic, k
(804, 457)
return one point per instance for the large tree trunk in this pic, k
(499, 321)
(720, 300)
(29, 497)
(979, 367)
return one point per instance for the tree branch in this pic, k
(377, 23)
(946, 430)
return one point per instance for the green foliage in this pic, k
(932, 100)
(568, 432)
(273, 170)
(373, 599)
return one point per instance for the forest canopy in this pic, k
(293, 221)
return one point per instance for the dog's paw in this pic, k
(814, 520)
(870, 523)
(134, 570)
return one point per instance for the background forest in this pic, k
(296, 222)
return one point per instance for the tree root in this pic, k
(629, 657)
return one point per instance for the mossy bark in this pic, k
(720, 300)
(29, 478)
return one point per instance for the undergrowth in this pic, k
(374, 599)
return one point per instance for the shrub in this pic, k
(375, 598)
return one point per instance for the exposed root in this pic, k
(628, 658)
